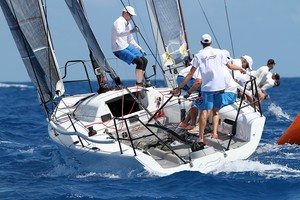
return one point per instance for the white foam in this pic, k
(278, 112)
(6, 85)
(94, 174)
(270, 170)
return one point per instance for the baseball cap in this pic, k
(130, 10)
(206, 39)
(271, 61)
(249, 60)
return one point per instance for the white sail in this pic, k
(26, 20)
(89, 36)
(169, 34)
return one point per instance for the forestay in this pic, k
(89, 36)
(27, 23)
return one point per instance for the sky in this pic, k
(262, 29)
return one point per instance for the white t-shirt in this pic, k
(211, 63)
(121, 37)
(231, 85)
(267, 82)
(260, 74)
(187, 69)
(241, 78)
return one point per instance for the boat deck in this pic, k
(167, 159)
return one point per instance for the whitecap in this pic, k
(94, 174)
(12, 85)
(278, 112)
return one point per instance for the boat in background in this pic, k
(125, 128)
(292, 134)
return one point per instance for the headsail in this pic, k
(26, 20)
(169, 33)
(88, 34)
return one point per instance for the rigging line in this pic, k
(28, 55)
(229, 29)
(145, 41)
(209, 24)
(141, 21)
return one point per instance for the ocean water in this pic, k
(31, 167)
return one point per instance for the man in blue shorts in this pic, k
(211, 63)
(125, 47)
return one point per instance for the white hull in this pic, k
(102, 151)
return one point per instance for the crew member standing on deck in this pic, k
(125, 47)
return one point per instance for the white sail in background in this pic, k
(26, 20)
(169, 34)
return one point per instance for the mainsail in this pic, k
(168, 29)
(88, 34)
(27, 22)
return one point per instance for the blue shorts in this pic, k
(188, 85)
(217, 99)
(228, 98)
(128, 54)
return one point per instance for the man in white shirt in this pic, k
(268, 81)
(125, 47)
(263, 71)
(211, 63)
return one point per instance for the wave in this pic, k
(270, 170)
(270, 161)
(14, 85)
(278, 112)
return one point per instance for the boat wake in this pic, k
(270, 171)
(268, 161)
(278, 112)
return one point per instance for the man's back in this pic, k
(211, 63)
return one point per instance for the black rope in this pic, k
(229, 29)
(209, 24)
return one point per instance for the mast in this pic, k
(183, 25)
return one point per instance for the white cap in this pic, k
(206, 39)
(130, 10)
(249, 60)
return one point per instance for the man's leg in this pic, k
(215, 122)
(139, 73)
(202, 123)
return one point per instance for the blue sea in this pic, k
(31, 167)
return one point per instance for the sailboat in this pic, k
(125, 128)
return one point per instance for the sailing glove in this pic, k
(186, 96)
(143, 52)
(134, 30)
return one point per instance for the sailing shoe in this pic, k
(195, 130)
(189, 127)
(214, 135)
(181, 126)
(139, 84)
